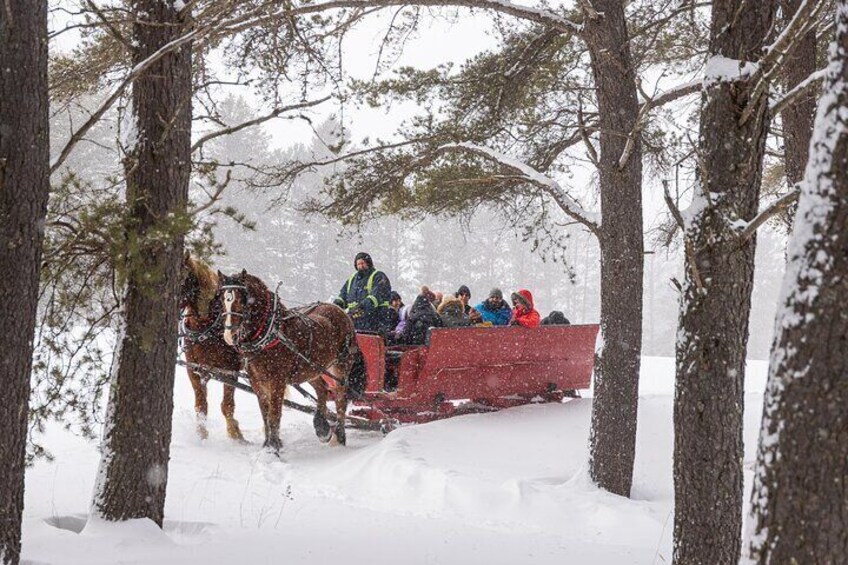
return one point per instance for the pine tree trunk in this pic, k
(800, 497)
(134, 467)
(798, 116)
(613, 438)
(716, 300)
(24, 187)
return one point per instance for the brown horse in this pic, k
(314, 344)
(202, 332)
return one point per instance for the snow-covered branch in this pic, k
(802, 22)
(537, 15)
(802, 87)
(532, 176)
(747, 230)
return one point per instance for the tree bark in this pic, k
(798, 116)
(24, 188)
(136, 444)
(716, 300)
(800, 499)
(613, 437)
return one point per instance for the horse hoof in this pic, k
(326, 437)
(338, 436)
(273, 447)
(234, 432)
(271, 452)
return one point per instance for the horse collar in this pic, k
(266, 334)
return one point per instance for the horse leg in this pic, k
(319, 421)
(341, 402)
(201, 408)
(352, 370)
(341, 415)
(263, 394)
(272, 419)
(228, 408)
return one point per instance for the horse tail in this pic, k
(357, 377)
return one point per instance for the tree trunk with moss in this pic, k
(136, 445)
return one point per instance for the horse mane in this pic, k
(256, 287)
(208, 281)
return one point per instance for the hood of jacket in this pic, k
(451, 305)
(526, 297)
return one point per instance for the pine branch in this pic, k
(536, 15)
(118, 90)
(532, 176)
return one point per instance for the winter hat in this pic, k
(463, 290)
(395, 296)
(363, 255)
(496, 293)
(438, 297)
(556, 318)
(428, 294)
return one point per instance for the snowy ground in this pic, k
(509, 487)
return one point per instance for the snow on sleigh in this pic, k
(466, 370)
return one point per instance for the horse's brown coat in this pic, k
(323, 333)
(200, 310)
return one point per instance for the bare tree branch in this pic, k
(802, 22)
(214, 197)
(649, 104)
(799, 90)
(672, 207)
(256, 121)
(767, 213)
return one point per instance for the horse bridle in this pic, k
(271, 321)
(245, 295)
(195, 336)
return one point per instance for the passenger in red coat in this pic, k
(523, 312)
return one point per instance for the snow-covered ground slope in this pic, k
(509, 487)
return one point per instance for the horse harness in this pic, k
(193, 337)
(269, 334)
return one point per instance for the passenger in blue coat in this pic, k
(494, 310)
(365, 296)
